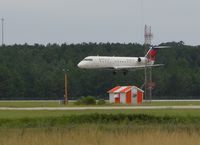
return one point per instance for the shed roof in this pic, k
(123, 89)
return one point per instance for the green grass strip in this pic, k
(96, 118)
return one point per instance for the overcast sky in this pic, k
(76, 21)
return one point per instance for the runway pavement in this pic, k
(103, 108)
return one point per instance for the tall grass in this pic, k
(98, 135)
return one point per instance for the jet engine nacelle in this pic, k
(139, 59)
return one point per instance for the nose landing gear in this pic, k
(124, 73)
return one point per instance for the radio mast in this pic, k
(148, 71)
(2, 30)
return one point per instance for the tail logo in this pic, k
(152, 54)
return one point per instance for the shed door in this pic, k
(128, 97)
(117, 98)
(140, 97)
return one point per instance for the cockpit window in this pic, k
(88, 59)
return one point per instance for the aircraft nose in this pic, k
(80, 65)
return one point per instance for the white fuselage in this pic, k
(109, 62)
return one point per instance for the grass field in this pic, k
(48, 119)
(71, 104)
(17, 114)
(84, 127)
(32, 104)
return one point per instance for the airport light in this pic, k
(65, 89)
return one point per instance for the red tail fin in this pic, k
(151, 54)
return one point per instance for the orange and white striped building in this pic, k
(126, 95)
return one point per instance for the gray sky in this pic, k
(76, 21)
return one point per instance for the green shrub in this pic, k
(89, 100)
(101, 102)
(78, 102)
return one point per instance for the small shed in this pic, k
(126, 95)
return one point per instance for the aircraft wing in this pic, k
(136, 67)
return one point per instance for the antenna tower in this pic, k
(2, 31)
(148, 71)
(147, 36)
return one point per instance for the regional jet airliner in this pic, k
(121, 63)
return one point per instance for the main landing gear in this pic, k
(124, 73)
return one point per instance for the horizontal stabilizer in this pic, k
(137, 67)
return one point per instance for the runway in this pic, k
(105, 108)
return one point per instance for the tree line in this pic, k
(36, 71)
